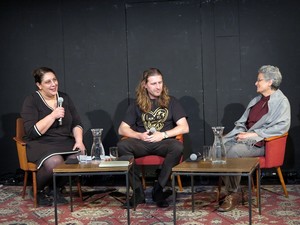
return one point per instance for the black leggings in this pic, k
(45, 173)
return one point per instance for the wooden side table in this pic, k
(233, 167)
(89, 169)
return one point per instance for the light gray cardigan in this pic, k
(276, 122)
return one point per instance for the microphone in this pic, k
(194, 156)
(152, 131)
(60, 102)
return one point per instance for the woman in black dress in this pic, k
(49, 142)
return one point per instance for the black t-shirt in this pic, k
(162, 119)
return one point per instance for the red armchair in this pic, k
(274, 156)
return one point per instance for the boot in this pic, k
(42, 198)
(60, 199)
(159, 196)
(138, 197)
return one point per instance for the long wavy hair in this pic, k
(142, 97)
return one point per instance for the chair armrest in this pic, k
(276, 137)
(179, 137)
(19, 141)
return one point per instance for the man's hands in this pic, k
(155, 137)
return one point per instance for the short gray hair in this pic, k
(271, 73)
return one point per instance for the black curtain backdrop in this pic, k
(208, 51)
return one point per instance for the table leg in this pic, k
(174, 199)
(193, 198)
(133, 187)
(258, 191)
(127, 199)
(71, 199)
(54, 198)
(250, 198)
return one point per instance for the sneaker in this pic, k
(42, 198)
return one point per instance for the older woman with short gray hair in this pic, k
(268, 114)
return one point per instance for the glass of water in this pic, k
(113, 153)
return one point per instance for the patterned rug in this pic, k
(102, 206)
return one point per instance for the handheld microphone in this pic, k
(60, 102)
(194, 156)
(152, 131)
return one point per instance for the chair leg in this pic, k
(282, 181)
(179, 183)
(25, 184)
(34, 186)
(143, 177)
(79, 188)
(219, 189)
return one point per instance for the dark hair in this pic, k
(39, 73)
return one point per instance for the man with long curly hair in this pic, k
(151, 124)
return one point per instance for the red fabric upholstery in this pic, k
(274, 157)
(150, 160)
(274, 152)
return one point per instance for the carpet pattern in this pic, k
(102, 206)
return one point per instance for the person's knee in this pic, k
(53, 161)
(232, 152)
(122, 147)
(178, 147)
(176, 150)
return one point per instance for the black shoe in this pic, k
(42, 198)
(159, 196)
(157, 192)
(167, 194)
(60, 199)
(139, 199)
(162, 204)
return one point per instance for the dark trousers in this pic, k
(171, 149)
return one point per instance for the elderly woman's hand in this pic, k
(245, 135)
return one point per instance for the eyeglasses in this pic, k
(259, 80)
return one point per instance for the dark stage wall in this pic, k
(209, 52)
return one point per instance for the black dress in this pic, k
(58, 139)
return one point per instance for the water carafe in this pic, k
(97, 150)
(218, 151)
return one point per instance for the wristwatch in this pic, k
(165, 135)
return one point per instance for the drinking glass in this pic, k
(113, 153)
(206, 153)
(83, 157)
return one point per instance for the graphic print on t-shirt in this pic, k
(155, 119)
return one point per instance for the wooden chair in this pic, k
(155, 160)
(26, 166)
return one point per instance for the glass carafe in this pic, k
(97, 150)
(218, 151)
